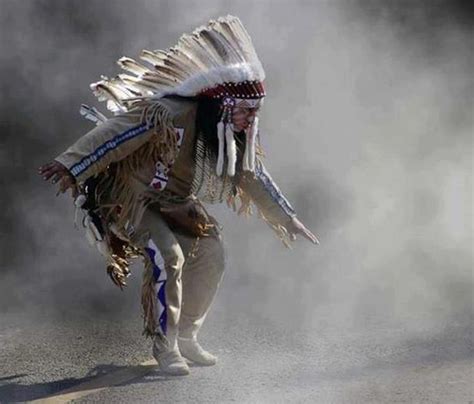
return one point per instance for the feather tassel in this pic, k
(231, 149)
(220, 156)
(253, 137)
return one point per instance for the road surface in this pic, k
(108, 361)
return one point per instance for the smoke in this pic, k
(367, 128)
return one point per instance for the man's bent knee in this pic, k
(173, 258)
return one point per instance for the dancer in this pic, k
(184, 132)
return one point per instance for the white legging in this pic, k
(186, 274)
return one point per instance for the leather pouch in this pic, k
(190, 218)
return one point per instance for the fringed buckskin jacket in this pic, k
(151, 154)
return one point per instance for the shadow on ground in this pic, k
(452, 345)
(18, 392)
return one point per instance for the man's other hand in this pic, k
(295, 227)
(58, 173)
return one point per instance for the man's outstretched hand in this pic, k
(58, 173)
(295, 227)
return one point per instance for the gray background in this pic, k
(368, 131)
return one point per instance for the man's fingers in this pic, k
(53, 168)
(57, 177)
(64, 184)
(310, 236)
(314, 239)
(45, 167)
(48, 174)
(49, 168)
(74, 191)
(305, 234)
(50, 171)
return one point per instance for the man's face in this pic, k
(242, 118)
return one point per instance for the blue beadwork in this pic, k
(108, 146)
(267, 181)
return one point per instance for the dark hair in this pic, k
(207, 116)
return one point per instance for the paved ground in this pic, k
(260, 362)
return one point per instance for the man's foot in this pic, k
(191, 350)
(170, 362)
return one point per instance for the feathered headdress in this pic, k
(217, 60)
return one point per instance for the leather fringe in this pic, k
(246, 209)
(148, 298)
(114, 192)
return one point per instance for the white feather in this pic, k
(219, 52)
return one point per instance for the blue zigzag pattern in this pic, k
(160, 295)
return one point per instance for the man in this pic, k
(185, 131)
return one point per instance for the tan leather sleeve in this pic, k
(267, 196)
(109, 142)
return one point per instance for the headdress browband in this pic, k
(244, 89)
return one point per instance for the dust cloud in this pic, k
(367, 128)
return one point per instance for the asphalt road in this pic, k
(259, 362)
